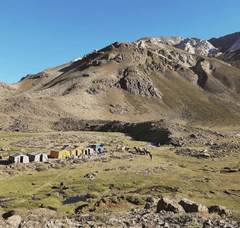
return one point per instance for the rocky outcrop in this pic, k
(134, 218)
(191, 45)
(225, 42)
(197, 46)
(220, 210)
(168, 214)
(231, 57)
(190, 207)
(14, 221)
(169, 205)
(35, 76)
(187, 206)
(137, 83)
(151, 131)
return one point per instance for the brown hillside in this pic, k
(126, 82)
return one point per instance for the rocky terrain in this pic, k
(191, 45)
(126, 202)
(157, 213)
(229, 46)
(179, 97)
(147, 80)
(225, 43)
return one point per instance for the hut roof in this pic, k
(57, 150)
(69, 148)
(34, 153)
(15, 155)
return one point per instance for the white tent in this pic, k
(37, 156)
(88, 151)
(18, 158)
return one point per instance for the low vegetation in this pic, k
(117, 180)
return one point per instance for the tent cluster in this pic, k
(65, 152)
(76, 151)
(30, 157)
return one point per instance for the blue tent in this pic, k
(96, 148)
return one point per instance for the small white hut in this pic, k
(37, 156)
(18, 158)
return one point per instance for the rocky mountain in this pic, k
(225, 42)
(192, 45)
(150, 79)
(229, 45)
(235, 46)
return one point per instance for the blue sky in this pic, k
(38, 34)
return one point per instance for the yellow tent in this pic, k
(59, 153)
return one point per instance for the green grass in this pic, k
(121, 175)
(194, 104)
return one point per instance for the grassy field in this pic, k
(122, 179)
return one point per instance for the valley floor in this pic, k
(112, 189)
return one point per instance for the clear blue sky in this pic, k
(38, 34)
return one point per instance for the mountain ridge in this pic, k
(148, 79)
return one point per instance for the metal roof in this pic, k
(15, 155)
(34, 153)
(57, 150)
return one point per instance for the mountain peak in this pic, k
(151, 78)
(191, 45)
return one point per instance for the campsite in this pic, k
(118, 178)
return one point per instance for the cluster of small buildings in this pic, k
(30, 157)
(65, 152)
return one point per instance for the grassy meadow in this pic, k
(122, 179)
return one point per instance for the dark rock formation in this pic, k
(169, 205)
(190, 207)
(221, 210)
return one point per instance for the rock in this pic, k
(8, 214)
(207, 223)
(190, 206)
(206, 155)
(151, 203)
(89, 175)
(3, 223)
(221, 210)
(169, 205)
(151, 200)
(4, 148)
(91, 223)
(147, 205)
(135, 82)
(14, 221)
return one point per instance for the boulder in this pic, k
(14, 221)
(190, 207)
(169, 205)
(4, 148)
(8, 214)
(221, 210)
